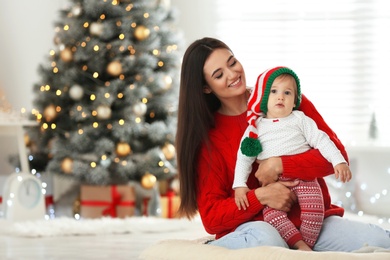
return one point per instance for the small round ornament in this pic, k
(169, 151)
(76, 92)
(96, 29)
(141, 32)
(50, 113)
(66, 54)
(148, 181)
(76, 10)
(123, 149)
(105, 162)
(103, 112)
(168, 82)
(140, 109)
(67, 165)
(114, 68)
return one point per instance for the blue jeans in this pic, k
(337, 234)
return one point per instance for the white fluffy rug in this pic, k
(65, 226)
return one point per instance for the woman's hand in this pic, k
(277, 195)
(269, 170)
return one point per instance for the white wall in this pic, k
(196, 18)
(26, 33)
(26, 36)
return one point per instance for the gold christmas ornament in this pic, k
(66, 55)
(67, 165)
(141, 33)
(148, 181)
(50, 113)
(103, 112)
(123, 149)
(114, 68)
(169, 151)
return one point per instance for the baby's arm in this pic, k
(343, 172)
(242, 171)
(240, 197)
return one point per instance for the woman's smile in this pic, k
(235, 83)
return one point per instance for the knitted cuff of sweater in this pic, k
(294, 239)
(254, 204)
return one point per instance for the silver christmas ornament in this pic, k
(103, 112)
(140, 109)
(96, 29)
(76, 92)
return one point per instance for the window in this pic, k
(338, 48)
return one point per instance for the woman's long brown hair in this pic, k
(195, 118)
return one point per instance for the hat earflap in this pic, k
(251, 145)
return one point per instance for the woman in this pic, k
(211, 121)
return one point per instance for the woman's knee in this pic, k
(251, 234)
(260, 233)
(341, 234)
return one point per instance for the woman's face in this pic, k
(224, 75)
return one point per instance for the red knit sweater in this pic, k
(216, 163)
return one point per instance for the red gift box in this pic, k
(170, 203)
(114, 201)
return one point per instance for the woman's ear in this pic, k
(206, 89)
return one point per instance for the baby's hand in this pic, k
(343, 172)
(240, 197)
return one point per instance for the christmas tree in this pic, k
(106, 102)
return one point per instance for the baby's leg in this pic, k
(312, 210)
(283, 225)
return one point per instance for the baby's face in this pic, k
(281, 100)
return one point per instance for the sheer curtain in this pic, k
(340, 49)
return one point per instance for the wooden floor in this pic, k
(117, 246)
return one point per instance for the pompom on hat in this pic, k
(258, 106)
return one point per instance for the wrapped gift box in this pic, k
(170, 203)
(114, 201)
